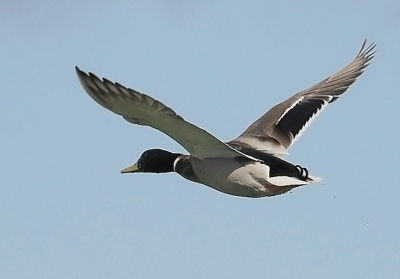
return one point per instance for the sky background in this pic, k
(67, 212)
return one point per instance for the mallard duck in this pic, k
(250, 165)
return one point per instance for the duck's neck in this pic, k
(169, 161)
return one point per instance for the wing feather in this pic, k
(141, 109)
(285, 122)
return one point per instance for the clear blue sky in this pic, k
(67, 212)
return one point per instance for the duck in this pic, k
(250, 165)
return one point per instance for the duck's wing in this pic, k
(276, 130)
(141, 109)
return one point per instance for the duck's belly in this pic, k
(240, 178)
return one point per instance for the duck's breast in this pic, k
(232, 176)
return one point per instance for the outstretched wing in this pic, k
(277, 129)
(141, 109)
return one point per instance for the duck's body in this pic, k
(250, 165)
(241, 176)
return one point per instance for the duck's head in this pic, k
(154, 161)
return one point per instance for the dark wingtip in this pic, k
(79, 72)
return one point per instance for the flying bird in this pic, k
(250, 165)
